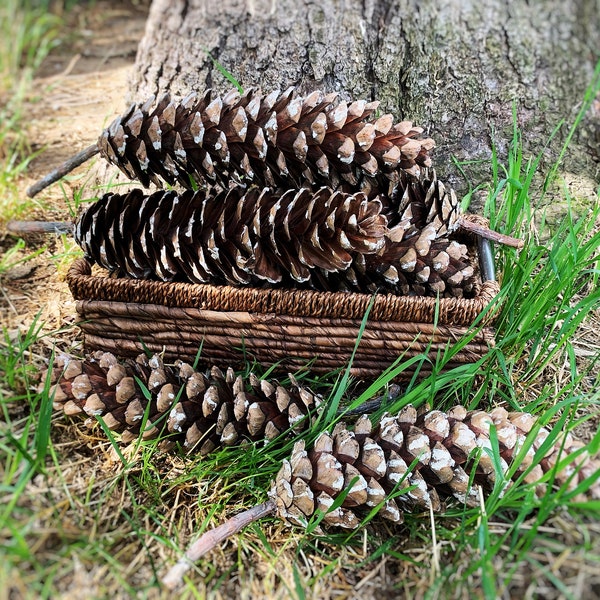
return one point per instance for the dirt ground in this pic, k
(84, 82)
(80, 87)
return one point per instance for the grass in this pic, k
(28, 32)
(80, 512)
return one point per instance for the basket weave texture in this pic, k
(288, 327)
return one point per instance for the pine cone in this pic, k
(421, 251)
(236, 237)
(327, 240)
(448, 270)
(422, 254)
(421, 204)
(369, 463)
(204, 411)
(276, 140)
(446, 267)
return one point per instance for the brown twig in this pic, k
(24, 227)
(63, 169)
(488, 234)
(207, 541)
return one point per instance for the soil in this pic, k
(84, 82)
(78, 90)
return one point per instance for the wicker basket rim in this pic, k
(309, 303)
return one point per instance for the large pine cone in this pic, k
(205, 410)
(423, 254)
(372, 463)
(238, 237)
(326, 240)
(276, 140)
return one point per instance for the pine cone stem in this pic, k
(45, 227)
(63, 169)
(207, 541)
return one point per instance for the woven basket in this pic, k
(289, 328)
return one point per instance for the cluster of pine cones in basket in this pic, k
(302, 192)
(310, 192)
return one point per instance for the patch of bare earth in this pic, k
(79, 88)
(86, 501)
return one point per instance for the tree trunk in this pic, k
(455, 67)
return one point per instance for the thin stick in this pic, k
(20, 227)
(206, 542)
(488, 234)
(63, 169)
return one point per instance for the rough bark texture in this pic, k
(452, 66)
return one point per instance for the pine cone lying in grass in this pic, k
(324, 239)
(424, 456)
(278, 139)
(200, 411)
(411, 460)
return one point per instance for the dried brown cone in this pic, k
(411, 460)
(327, 240)
(449, 270)
(424, 253)
(279, 139)
(421, 206)
(426, 455)
(423, 250)
(200, 411)
(238, 236)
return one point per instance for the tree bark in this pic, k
(455, 67)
